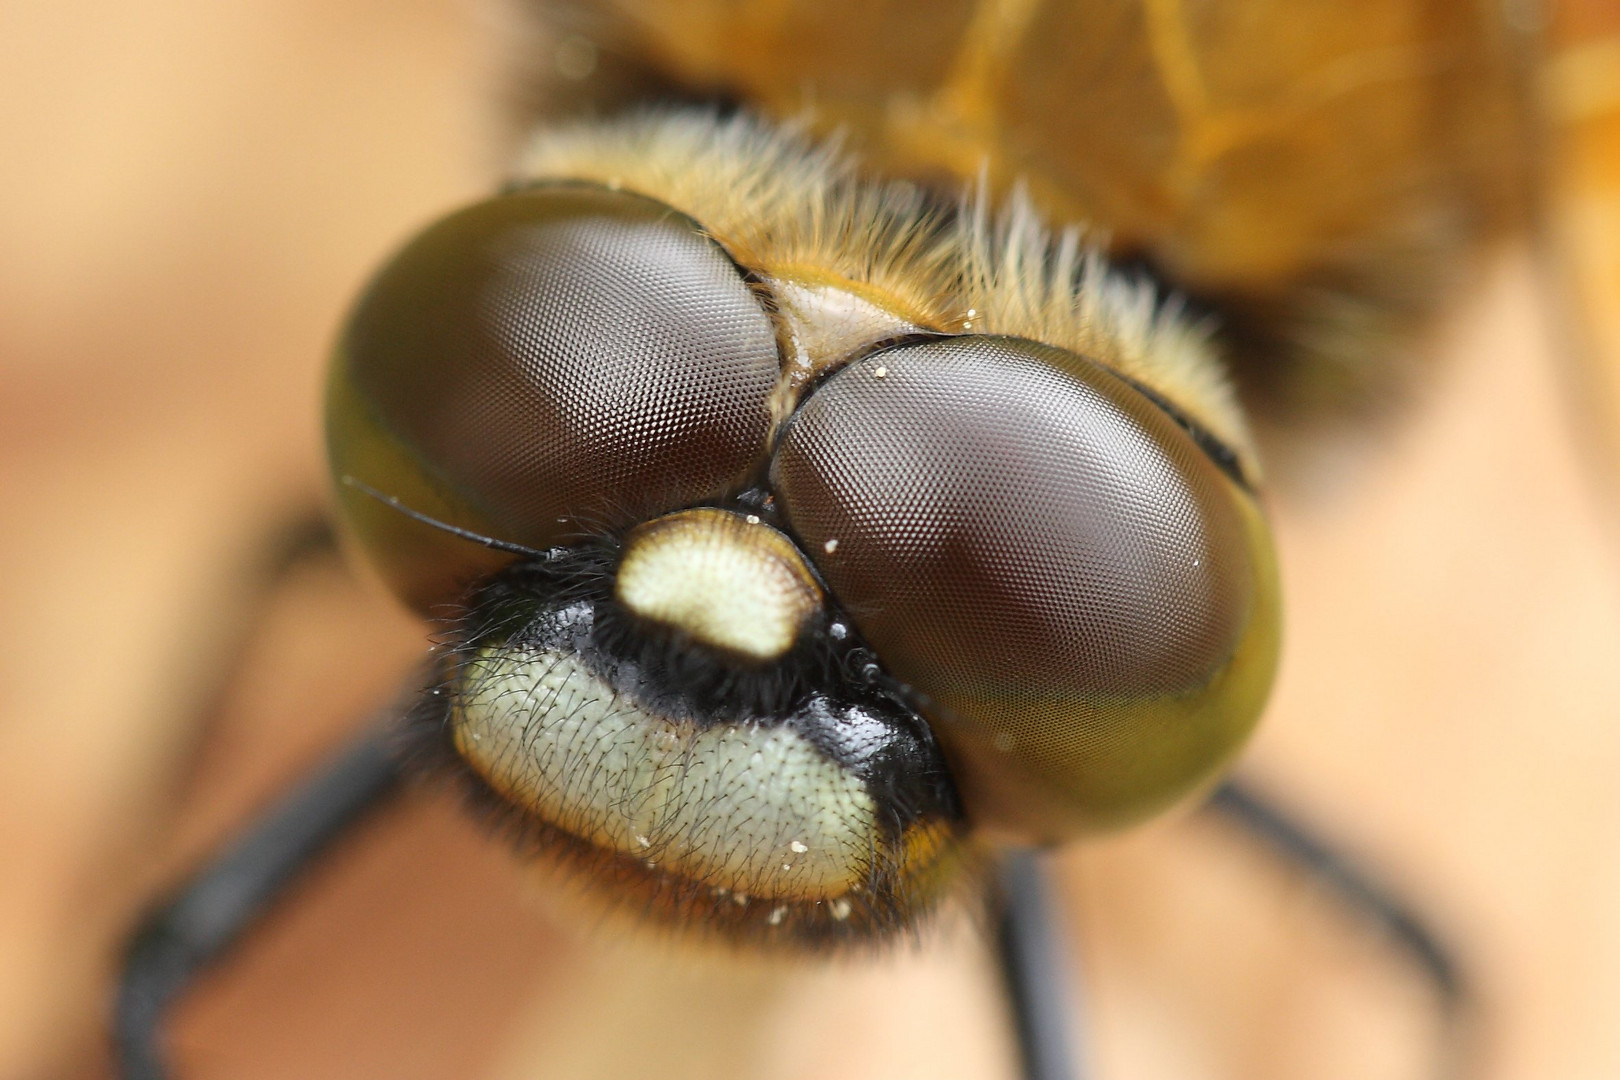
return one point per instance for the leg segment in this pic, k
(1365, 896)
(1034, 967)
(210, 911)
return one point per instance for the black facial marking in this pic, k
(829, 688)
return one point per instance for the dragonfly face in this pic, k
(948, 522)
(844, 530)
(836, 525)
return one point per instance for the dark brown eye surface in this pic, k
(1082, 597)
(545, 361)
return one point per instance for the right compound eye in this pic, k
(1081, 593)
(540, 364)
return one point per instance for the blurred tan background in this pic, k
(191, 192)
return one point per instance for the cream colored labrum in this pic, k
(726, 580)
(754, 811)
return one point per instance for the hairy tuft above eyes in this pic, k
(775, 199)
(1060, 289)
(781, 202)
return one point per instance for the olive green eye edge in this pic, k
(362, 445)
(539, 185)
(1124, 789)
(1238, 691)
(423, 566)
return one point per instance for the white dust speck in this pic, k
(643, 841)
(830, 546)
(840, 909)
(741, 898)
(880, 372)
(798, 847)
(752, 519)
(777, 915)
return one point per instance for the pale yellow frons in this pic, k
(725, 580)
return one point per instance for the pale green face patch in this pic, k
(751, 809)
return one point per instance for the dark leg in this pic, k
(1034, 965)
(219, 903)
(1032, 952)
(1366, 897)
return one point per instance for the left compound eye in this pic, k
(545, 361)
(1080, 596)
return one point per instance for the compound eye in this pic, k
(1083, 601)
(543, 363)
